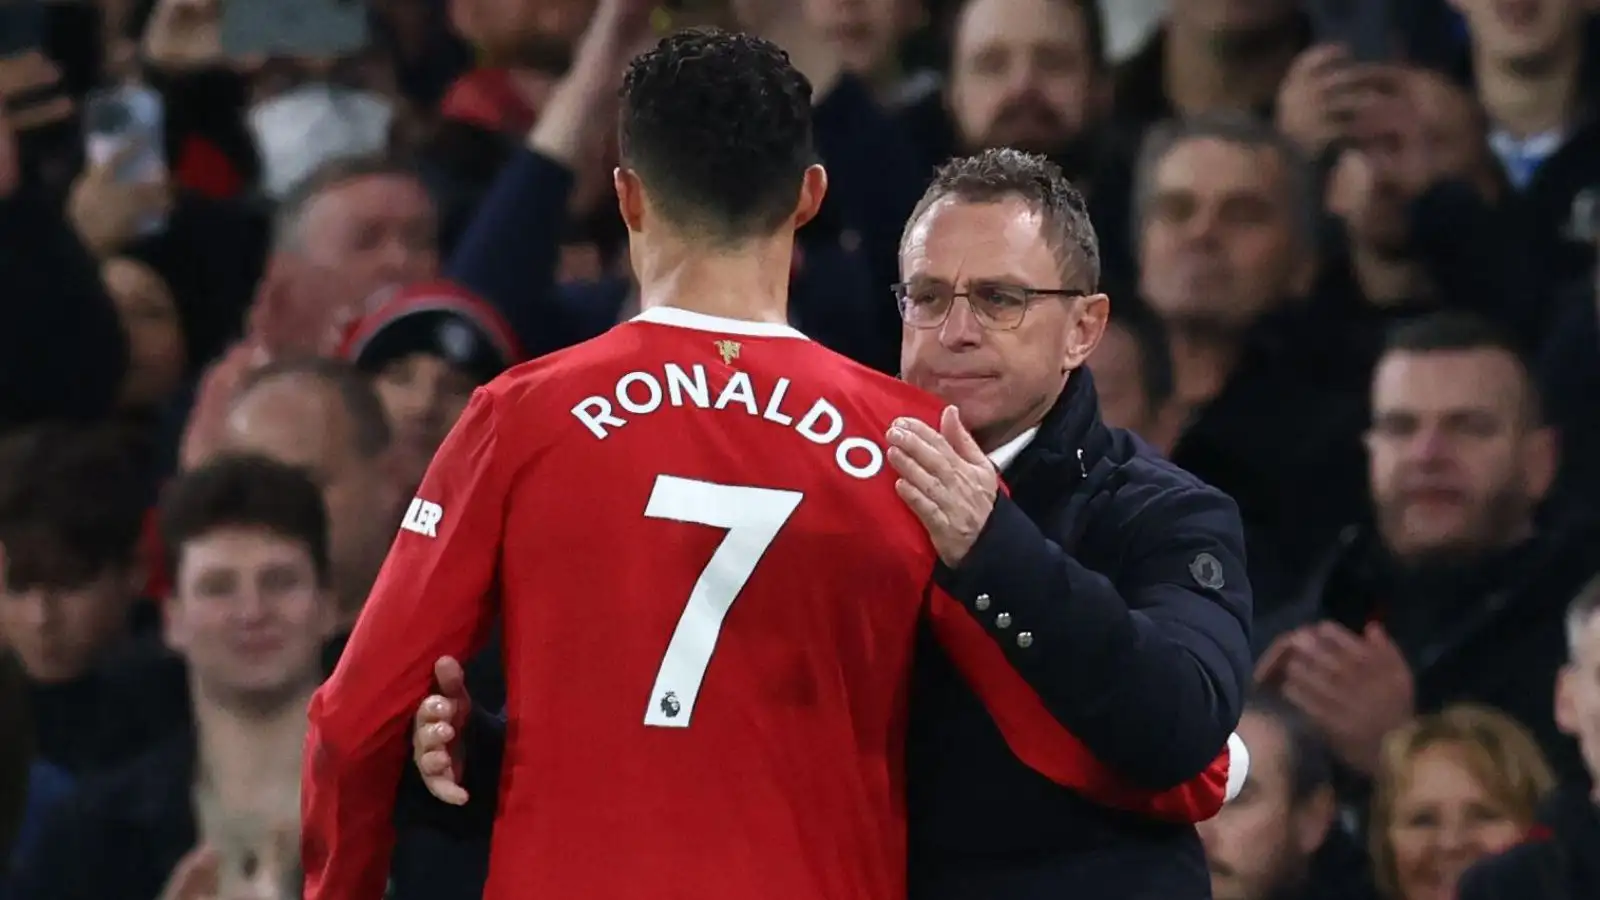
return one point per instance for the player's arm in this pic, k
(433, 598)
(1149, 671)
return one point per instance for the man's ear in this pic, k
(630, 197)
(813, 187)
(1566, 715)
(1086, 328)
(1313, 819)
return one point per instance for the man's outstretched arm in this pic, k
(432, 599)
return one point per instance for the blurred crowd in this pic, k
(248, 287)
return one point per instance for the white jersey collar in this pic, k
(678, 317)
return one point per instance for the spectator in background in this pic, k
(1457, 593)
(1536, 76)
(1561, 858)
(325, 417)
(157, 358)
(1261, 845)
(1452, 788)
(1209, 56)
(1227, 249)
(867, 35)
(1132, 369)
(1426, 132)
(1031, 74)
(29, 787)
(353, 229)
(251, 607)
(73, 503)
(427, 349)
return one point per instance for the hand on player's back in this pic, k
(436, 734)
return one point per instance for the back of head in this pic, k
(717, 128)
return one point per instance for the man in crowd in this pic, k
(251, 607)
(73, 502)
(1008, 226)
(1535, 79)
(1561, 858)
(1133, 375)
(1226, 214)
(325, 417)
(353, 230)
(1279, 840)
(1458, 592)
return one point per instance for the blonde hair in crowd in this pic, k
(1497, 750)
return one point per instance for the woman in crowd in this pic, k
(1452, 788)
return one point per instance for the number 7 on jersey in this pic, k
(752, 516)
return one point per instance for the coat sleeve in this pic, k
(1041, 742)
(433, 598)
(1149, 671)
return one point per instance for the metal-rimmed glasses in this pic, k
(997, 307)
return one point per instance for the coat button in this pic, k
(1003, 620)
(1025, 639)
(982, 603)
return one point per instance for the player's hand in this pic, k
(436, 736)
(946, 479)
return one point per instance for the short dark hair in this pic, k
(290, 211)
(1094, 27)
(73, 502)
(998, 174)
(1310, 763)
(1455, 331)
(1150, 337)
(245, 491)
(369, 424)
(718, 127)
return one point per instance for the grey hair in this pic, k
(1580, 612)
(998, 174)
(1242, 130)
(291, 210)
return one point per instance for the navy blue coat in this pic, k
(1110, 558)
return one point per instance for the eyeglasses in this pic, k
(997, 307)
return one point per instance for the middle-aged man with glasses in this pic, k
(1113, 581)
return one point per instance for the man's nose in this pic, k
(961, 327)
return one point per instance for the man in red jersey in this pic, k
(710, 590)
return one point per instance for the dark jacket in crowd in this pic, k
(1098, 525)
(120, 834)
(1560, 860)
(62, 348)
(1491, 632)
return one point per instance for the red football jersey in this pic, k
(710, 592)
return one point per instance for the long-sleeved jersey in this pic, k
(710, 593)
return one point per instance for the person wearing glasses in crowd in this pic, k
(1112, 580)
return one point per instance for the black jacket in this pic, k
(1104, 557)
(1490, 633)
(119, 835)
(1559, 861)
